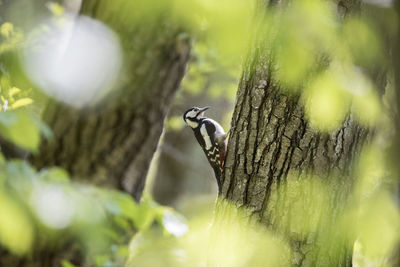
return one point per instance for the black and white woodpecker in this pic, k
(211, 137)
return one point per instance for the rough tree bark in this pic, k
(114, 144)
(272, 139)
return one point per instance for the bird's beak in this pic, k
(204, 109)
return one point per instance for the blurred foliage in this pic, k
(20, 128)
(223, 24)
(219, 42)
(10, 38)
(11, 96)
(46, 205)
(209, 72)
(18, 123)
(207, 20)
(328, 59)
(226, 244)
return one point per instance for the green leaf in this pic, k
(55, 174)
(146, 214)
(55, 8)
(20, 176)
(142, 216)
(121, 204)
(19, 128)
(16, 231)
(175, 123)
(13, 91)
(122, 223)
(21, 102)
(6, 29)
(123, 251)
(20, 169)
(102, 260)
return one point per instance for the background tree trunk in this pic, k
(272, 140)
(113, 144)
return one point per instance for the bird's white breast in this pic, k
(192, 124)
(206, 138)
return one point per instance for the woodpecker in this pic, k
(211, 137)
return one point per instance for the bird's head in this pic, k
(193, 115)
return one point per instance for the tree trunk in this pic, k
(273, 142)
(114, 144)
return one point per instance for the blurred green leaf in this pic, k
(21, 102)
(6, 29)
(55, 8)
(362, 41)
(54, 175)
(367, 108)
(19, 128)
(379, 226)
(103, 260)
(13, 91)
(146, 214)
(175, 123)
(123, 251)
(326, 102)
(16, 231)
(309, 203)
(215, 91)
(194, 82)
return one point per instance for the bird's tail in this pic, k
(218, 172)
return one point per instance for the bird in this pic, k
(211, 137)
